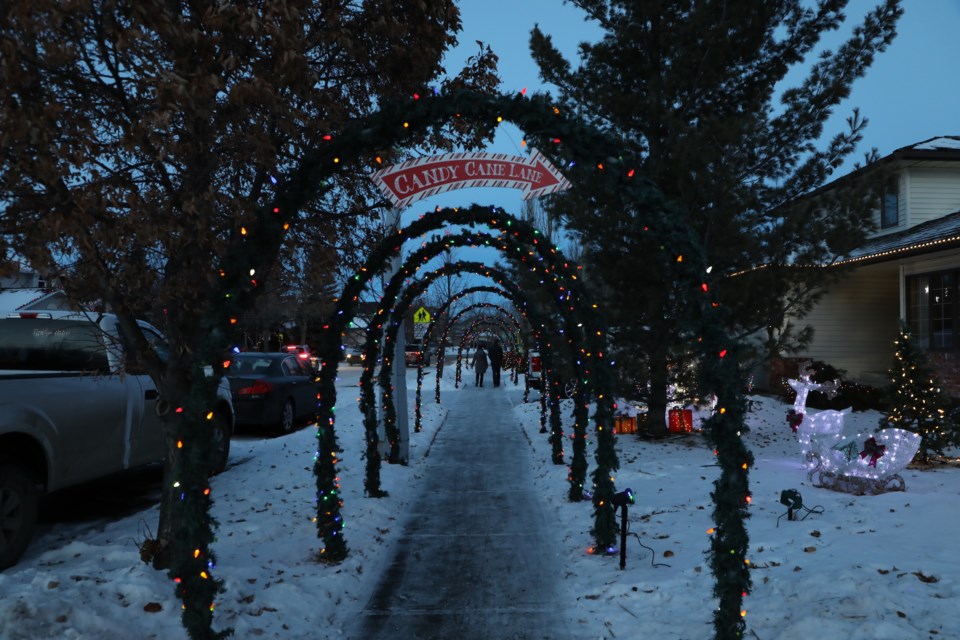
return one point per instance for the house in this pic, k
(22, 277)
(908, 268)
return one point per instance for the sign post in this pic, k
(421, 320)
(399, 378)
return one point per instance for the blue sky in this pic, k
(910, 93)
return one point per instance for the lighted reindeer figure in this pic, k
(816, 430)
(848, 459)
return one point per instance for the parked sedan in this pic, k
(353, 355)
(273, 389)
(415, 353)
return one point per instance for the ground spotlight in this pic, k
(622, 499)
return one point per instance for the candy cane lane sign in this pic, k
(413, 180)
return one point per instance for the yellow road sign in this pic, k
(422, 316)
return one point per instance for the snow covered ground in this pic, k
(868, 568)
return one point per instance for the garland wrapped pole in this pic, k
(556, 421)
(728, 539)
(597, 379)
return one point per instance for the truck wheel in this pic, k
(18, 512)
(220, 447)
(287, 415)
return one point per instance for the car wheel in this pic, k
(220, 447)
(18, 512)
(287, 416)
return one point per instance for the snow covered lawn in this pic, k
(868, 567)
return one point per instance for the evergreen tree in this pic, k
(689, 87)
(918, 403)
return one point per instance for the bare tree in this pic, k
(143, 146)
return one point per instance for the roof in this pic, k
(935, 235)
(943, 142)
(19, 299)
(939, 148)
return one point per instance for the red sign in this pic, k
(413, 180)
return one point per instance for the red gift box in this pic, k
(680, 420)
(624, 424)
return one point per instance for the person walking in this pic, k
(479, 364)
(496, 361)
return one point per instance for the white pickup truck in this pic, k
(73, 408)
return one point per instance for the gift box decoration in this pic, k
(680, 420)
(624, 424)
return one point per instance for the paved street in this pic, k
(473, 562)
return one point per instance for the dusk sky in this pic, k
(910, 93)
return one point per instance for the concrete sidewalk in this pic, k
(475, 561)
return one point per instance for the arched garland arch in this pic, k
(395, 125)
(554, 263)
(372, 484)
(567, 306)
(398, 312)
(372, 350)
(468, 336)
(518, 230)
(562, 278)
(440, 355)
(474, 307)
(556, 437)
(441, 311)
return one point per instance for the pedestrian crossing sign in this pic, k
(422, 316)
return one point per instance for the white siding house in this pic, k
(908, 269)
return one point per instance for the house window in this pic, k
(918, 309)
(890, 204)
(942, 312)
(932, 309)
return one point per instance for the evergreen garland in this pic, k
(192, 570)
(568, 292)
(428, 250)
(588, 148)
(372, 353)
(729, 541)
(556, 421)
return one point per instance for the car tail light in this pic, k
(304, 356)
(258, 388)
(535, 363)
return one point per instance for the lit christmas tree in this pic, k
(918, 404)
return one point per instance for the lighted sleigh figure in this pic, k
(846, 459)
